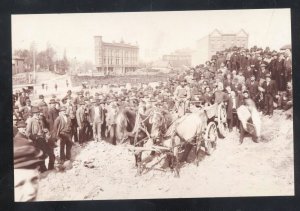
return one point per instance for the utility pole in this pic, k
(33, 52)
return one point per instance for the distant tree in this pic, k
(26, 55)
(50, 54)
(42, 60)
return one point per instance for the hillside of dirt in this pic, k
(101, 171)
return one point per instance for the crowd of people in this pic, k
(231, 76)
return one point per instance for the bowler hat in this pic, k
(263, 65)
(52, 101)
(35, 109)
(268, 75)
(63, 108)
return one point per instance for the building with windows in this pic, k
(179, 58)
(115, 58)
(218, 41)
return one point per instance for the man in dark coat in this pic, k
(26, 110)
(82, 122)
(248, 72)
(23, 97)
(43, 105)
(270, 91)
(262, 72)
(252, 87)
(280, 74)
(52, 114)
(62, 131)
(272, 66)
(71, 112)
(21, 130)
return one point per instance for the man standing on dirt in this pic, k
(52, 114)
(269, 90)
(97, 116)
(82, 122)
(62, 131)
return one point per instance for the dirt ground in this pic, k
(101, 171)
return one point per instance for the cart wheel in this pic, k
(211, 136)
(222, 121)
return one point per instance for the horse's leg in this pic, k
(186, 152)
(139, 161)
(198, 146)
(176, 155)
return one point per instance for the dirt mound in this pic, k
(103, 171)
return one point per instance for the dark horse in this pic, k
(135, 128)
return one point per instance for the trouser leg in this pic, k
(74, 130)
(51, 158)
(266, 105)
(68, 149)
(270, 105)
(242, 133)
(112, 137)
(98, 128)
(235, 122)
(62, 148)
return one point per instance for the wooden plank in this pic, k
(153, 148)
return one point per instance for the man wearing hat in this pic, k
(26, 110)
(182, 93)
(280, 77)
(69, 95)
(97, 116)
(270, 91)
(71, 112)
(52, 114)
(43, 106)
(35, 132)
(262, 72)
(27, 159)
(111, 114)
(21, 129)
(62, 131)
(82, 122)
(34, 126)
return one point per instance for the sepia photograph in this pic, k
(152, 105)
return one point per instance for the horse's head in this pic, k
(125, 121)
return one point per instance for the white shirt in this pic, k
(96, 111)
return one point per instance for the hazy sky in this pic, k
(156, 32)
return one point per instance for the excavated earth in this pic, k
(101, 171)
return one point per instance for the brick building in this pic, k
(218, 41)
(115, 58)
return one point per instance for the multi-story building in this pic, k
(115, 58)
(178, 58)
(218, 41)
